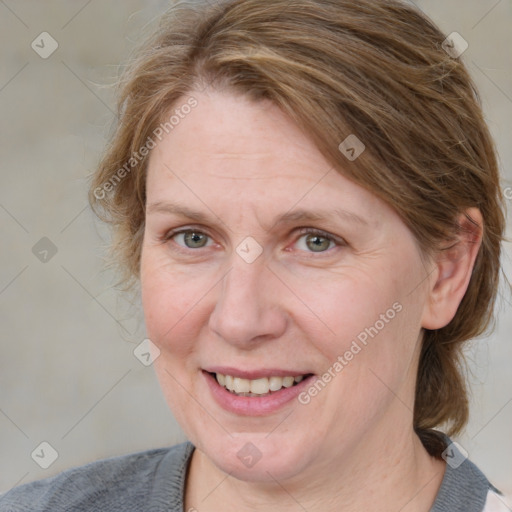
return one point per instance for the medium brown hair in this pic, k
(373, 68)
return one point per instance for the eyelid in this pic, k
(178, 231)
(302, 231)
(320, 232)
(340, 242)
(169, 234)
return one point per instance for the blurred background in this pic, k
(68, 374)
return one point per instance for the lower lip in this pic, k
(254, 406)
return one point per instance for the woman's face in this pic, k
(262, 262)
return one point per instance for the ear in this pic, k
(452, 274)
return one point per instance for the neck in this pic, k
(398, 474)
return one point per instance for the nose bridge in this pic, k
(246, 307)
(242, 281)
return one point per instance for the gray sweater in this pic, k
(154, 481)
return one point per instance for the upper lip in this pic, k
(254, 374)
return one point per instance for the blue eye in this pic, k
(316, 241)
(311, 240)
(192, 239)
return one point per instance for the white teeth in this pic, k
(229, 382)
(241, 385)
(275, 383)
(288, 382)
(258, 386)
(246, 387)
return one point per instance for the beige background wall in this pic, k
(68, 375)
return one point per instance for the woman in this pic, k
(309, 197)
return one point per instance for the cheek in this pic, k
(173, 302)
(368, 318)
(342, 306)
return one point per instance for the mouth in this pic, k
(255, 393)
(260, 387)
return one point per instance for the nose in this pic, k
(247, 310)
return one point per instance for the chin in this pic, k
(258, 458)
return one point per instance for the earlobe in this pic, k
(454, 267)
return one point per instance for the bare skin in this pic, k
(352, 447)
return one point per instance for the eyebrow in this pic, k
(284, 218)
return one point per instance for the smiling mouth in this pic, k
(264, 386)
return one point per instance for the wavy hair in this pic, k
(373, 68)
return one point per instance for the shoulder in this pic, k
(137, 482)
(464, 487)
(496, 502)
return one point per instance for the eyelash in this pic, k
(302, 231)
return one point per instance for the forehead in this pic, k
(235, 130)
(231, 150)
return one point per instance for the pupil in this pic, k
(195, 239)
(318, 243)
